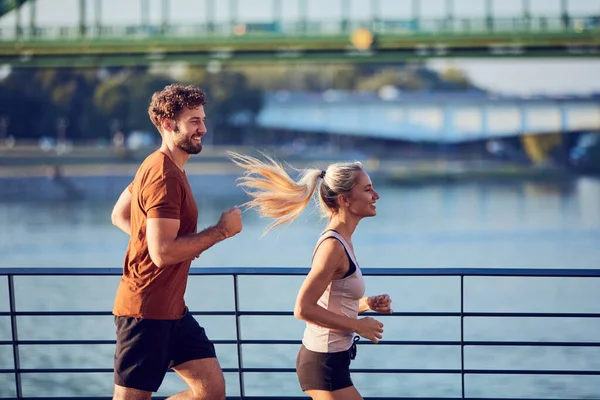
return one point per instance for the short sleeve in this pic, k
(162, 198)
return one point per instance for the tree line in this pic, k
(91, 105)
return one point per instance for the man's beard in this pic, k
(186, 144)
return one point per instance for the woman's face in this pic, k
(361, 199)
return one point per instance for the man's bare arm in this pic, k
(121, 213)
(167, 248)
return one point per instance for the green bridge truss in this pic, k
(375, 39)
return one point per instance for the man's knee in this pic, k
(204, 377)
(213, 389)
(219, 392)
(213, 395)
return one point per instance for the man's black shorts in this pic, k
(147, 348)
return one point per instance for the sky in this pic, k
(515, 76)
(189, 11)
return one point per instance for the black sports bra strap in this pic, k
(334, 234)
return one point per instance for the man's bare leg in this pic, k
(123, 393)
(205, 379)
(188, 394)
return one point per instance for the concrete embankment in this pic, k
(102, 175)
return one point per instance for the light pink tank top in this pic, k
(342, 297)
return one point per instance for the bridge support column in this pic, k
(145, 15)
(210, 16)
(449, 15)
(98, 17)
(524, 119)
(82, 24)
(345, 6)
(278, 14)
(564, 127)
(527, 13)
(375, 13)
(303, 16)
(233, 15)
(18, 26)
(489, 14)
(164, 26)
(485, 124)
(32, 18)
(416, 13)
(448, 115)
(564, 13)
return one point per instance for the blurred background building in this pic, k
(513, 80)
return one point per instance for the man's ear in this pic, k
(167, 125)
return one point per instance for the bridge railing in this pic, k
(458, 25)
(15, 343)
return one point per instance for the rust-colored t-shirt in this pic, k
(159, 190)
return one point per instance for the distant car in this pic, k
(586, 23)
(139, 140)
(585, 155)
(47, 143)
(592, 22)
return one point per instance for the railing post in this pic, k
(462, 336)
(15, 336)
(238, 335)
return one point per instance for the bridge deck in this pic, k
(299, 42)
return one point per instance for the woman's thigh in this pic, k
(348, 393)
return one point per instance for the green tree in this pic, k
(111, 99)
(457, 77)
(233, 103)
(28, 108)
(71, 92)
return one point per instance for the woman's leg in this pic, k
(347, 393)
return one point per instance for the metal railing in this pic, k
(13, 313)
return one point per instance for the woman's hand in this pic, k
(380, 304)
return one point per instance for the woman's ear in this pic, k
(342, 200)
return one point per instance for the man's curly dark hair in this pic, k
(170, 102)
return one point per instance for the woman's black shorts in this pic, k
(324, 371)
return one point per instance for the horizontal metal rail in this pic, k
(289, 313)
(487, 343)
(289, 271)
(287, 398)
